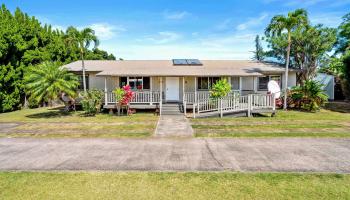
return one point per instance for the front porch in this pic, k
(153, 92)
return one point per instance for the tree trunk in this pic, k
(286, 73)
(83, 67)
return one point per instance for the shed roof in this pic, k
(166, 68)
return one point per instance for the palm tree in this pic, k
(289, 23)
(47, 80)
(83, 40)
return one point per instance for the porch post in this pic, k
(249, 111)
(151, 92)
(106, 95)
(195, 89)
(221, 109)
(255, 84)
(183, 95)
(183, 89)
(240, 85)
(273, 102)
(229, 81)
(161, 96)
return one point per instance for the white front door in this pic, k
(172, 88)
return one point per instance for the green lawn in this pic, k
(325, 123)
(51, 122)
(152, 185)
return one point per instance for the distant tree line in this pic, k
(25, 42)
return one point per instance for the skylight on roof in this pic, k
(186, 62)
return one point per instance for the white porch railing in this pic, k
(139, 97)
(261, 101)
(189, 97)
(235, 103)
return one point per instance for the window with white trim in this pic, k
(205, 83)
(263, 81)
(235, 83)
(136, 83)
(81, 83)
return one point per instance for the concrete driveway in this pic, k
(287, 154)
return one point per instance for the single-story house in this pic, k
(178, 80)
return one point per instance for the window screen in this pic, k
(235, 83)
(263, 81)
(146, 83)
(202, 83)
(212, 81)
(123, 81)
(81, 83)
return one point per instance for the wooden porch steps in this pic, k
(171, 109)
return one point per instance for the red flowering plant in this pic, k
(123, 96)
(128, 95)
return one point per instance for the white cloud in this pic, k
(162, 37)
(224, 25)
(194, 34)
(105, 31)
(175, 15)
(327, 19)
(252, 22)
(234, 41)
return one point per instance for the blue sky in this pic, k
(159, 29)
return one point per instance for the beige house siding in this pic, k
(247, 84)
(98, 82)
(292, 79)
(189, 84)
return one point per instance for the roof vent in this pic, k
(186, 62)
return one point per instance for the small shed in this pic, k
(328, 82)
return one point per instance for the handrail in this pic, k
(235, 103)
(202, 95)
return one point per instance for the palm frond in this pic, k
(47, 80)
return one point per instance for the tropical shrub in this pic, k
(310, 96)
(127, 95)
(46, 81)
(220, 89)
(119, 94)
(91, 101)
(346, 75)
(123, 96)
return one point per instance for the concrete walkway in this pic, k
(173, 126)
(190, 154)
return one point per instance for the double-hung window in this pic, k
(81, 82)
(206, 83)
(136, 83)
(263, 81)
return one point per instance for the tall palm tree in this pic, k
(289, 23)
(82, 39)
(47, 80)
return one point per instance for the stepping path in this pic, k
(173, 126)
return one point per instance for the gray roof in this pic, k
(166, 68)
